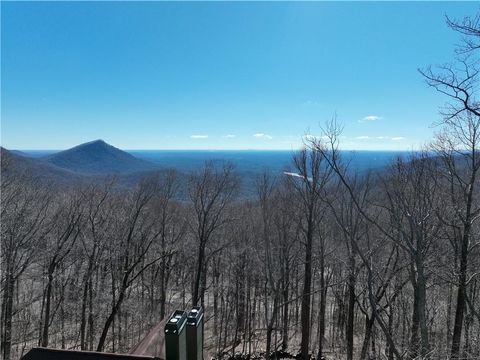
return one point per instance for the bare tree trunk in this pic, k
(286, 308)
(323, 301)
(305, 311)
(461, 292)
(351, 307)
(369, 321)
(83, 316)
(110, 319)
(7, 314)
(91, 329)
(163, 287)
(48, 296)
(449, 317)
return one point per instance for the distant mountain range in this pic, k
(95, 160)
(88, 161)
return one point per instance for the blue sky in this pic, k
(161, 75)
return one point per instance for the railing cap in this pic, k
(195, 315)
(176, 322)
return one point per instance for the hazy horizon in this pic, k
(207, 150)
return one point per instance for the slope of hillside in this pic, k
(13, 164)
(98, 158)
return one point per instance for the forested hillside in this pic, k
(327, 263)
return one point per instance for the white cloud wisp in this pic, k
(198, 136)
(263, 136)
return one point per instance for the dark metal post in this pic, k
(195, 334)
(175, 336)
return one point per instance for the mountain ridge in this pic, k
(17, 165)
(98, 158)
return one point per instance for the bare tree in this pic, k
(271, 265)
(98, 211)
(469, 27)
(310, 184)
(210, 190)
(136, 234)
(457, 146)
(288, 231)
(23, 215)
(411, 203)
(172, 228)
(63, 232)
(352, 230)
(328, 149)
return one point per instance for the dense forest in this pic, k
(327, 263)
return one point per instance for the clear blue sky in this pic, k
(158, 75)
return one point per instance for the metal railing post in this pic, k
(195, 334)
(175, 336)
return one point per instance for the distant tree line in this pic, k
(326, 263)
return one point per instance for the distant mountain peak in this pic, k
(95, 143)
(98, 158)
